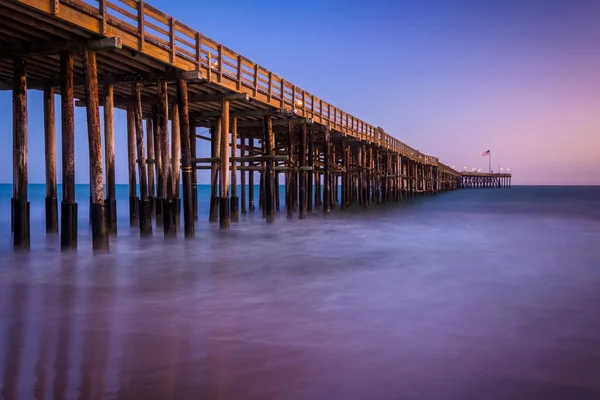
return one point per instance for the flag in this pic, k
(485, 153)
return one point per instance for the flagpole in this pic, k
(490, 168)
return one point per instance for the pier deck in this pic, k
(130, 55)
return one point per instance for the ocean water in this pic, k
(473, 294)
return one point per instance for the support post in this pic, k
(345, 180)
(269, 144)
(193, 144)
(165, 193)
(215, 153)
(133, 199)
(186, 155)
(317, 174)
(243, 173)
(326, 174)
(251, 206)
(151, 123)
(158, 163)
(302, 173)
(50, 159)
(109, 154)
(289, 186)
(68, 218)
(98, 211)
(224, 211)
(145, 212)
(310, 175)
(235, 204)
(20, 203)
(175, 164)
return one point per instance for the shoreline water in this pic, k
(467, 295)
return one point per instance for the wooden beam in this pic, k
(237, 114)
(207, 98)
(115, 79)
(30, 49)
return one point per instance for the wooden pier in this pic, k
(477, 180)
(129, 55)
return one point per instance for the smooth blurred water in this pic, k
(473, 294)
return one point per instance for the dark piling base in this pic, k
(169, 219)
(133, 211)
(224, 212)
(152, 202)
(68, 225)
(195, 200)
(235, 209)
(177, 211)
(99, 231)
(21, 224)
(12, 214)
(158, 207)
(111, 215)
(145, 217)
(51, 215)
(213, 215)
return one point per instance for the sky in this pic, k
(452, 78)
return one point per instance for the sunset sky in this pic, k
(451, 78)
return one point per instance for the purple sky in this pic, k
(451, 78)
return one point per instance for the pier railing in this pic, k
(148, 30)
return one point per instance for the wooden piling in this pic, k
(345, 181)
(133, 199)
(175, 164)
(326, 173)
(165, 194)
(110, 202)
(302, 174)
(234, 200)
(145, 212)
(317, 172)
(21, 205)
(224, 210)
(193, 144)
(157, 123)
(310, 174)
(186, 156)
(269, 145)
(276, 188)
(215, 153)
(151, 123)
(68, 219)
(361, 174)
(98, 211)
(50, 160)
(243, 173)
(251, 205)
(289, 186)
